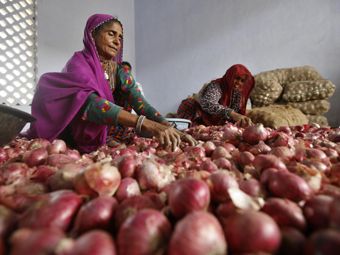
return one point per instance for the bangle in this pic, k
(139, 124)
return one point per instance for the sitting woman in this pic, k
(80, 103)
(221, 100)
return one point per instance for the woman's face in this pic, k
(240, 80)
(108, 40)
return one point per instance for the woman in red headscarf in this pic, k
(221, 100)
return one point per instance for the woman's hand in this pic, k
(241, 120)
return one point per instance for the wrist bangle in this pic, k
(139, 124)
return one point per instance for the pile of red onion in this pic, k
(251, 190)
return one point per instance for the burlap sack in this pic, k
(275, 116)
(319, 119)
(269, 84)
(301, 91)
(265, 93)
(313, 107)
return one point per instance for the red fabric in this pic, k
(227, 85)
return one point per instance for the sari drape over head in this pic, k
(60, 96)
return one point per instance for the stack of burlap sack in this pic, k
(291, 96)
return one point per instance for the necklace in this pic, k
(109, 68)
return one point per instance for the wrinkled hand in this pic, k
(187, 138)
(244, 122)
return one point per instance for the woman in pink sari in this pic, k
(78, 104)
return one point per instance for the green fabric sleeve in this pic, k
(100, 110)
(133, 96)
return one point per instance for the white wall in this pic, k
(61, 26)
(180, 44)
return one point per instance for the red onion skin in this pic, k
(96, 214)
(63, 178)
(292, 242)
(72, 153)
(59, 160)
(285, 213)
(103, 179)
(12, 172)
(146, 232)
(198, 233)
(323, 242)
(209, 147)
(251, 232)
(222, 163)
(8, 220)
(39, 241)
(219, 183)
(287, 185)
(42, 173)
(317, 210)
(38, 143)
(220, 152)
(127, 166)
(262, 162)
(35, 157)
(131, 206)
(334, 213)
(3, 155)
(92, 242)
(209, 166)
(188, 195)
(55, 210)
(57, 146)
(252, 187)
(254, 134)
(128, 187)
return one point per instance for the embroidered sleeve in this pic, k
(133, 96)
(100, 110)
(209, 101)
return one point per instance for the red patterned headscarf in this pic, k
(227, 85)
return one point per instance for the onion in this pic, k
(57, 146)
(209, 147)
(285, 212)
(220, 152)
(251, 232)
(98, 179)
(232, 134)
(59, 160)
(323, 242)
(56, 209)
(252, 187)
(198, 233)
(35, 157)
(96, 214)
(39, 241)
(13, 172)
(38, 143)
(292, 242)
(317, 210)
(8, 221)
(287, 185)
(262, 162)
(188, 195)
(254, 134)
(219, 183)
(92, 242)
(222, 163)
(42, 173)
(260, 148)
(127, 166)
(209, 166)
(128, 187)
(130, 206)
(146, 232)
(63, 178)
(152, 175)
(334, 213)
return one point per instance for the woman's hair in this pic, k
(126, 63)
